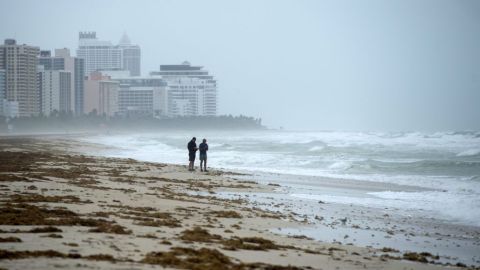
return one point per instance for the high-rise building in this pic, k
(98, 54)
(101, 95)
(55, 89)
(131, 56)
(20, 65)
(192, 90)
(76, 66)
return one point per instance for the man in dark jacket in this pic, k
(192, 149)
(203, 147)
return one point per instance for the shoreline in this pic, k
(368, 224)
(146, 207)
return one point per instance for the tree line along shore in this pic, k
(93, 122)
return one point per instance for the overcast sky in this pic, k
(329, 65)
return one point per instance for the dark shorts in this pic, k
(203, 156)
(191, 156)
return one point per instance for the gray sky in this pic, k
(349, 65)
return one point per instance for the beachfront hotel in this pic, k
(142, 96)
(192, 91)
(21, 93)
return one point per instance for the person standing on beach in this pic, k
(203, 147)
(192, 149)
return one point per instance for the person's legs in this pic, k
(191, 158)
(205, 164)
(192, 166)
(201, 162)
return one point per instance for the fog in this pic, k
(329, 65)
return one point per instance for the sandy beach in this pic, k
(62, 209)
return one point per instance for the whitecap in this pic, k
(340, 165)
(469, 153)
(316, 148)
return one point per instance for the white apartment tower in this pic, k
(55, 87)
(192, 91)
(102, 55)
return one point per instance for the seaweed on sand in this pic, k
(250, 243)
(10, 240)
(419, 257)
(32, 197)
(198, 234)
(204, 259)
(226, 214)
(16, 255)
(187, 258)
(25, 214)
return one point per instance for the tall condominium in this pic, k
(20, 65)
(191, 90)
(98, 54)
(55, 89)
(130, 56)
(76, 66)
(103, 55)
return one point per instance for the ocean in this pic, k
(441, 170)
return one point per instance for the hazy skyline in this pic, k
(349, 65)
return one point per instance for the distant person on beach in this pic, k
(203, 147)
(192, 149)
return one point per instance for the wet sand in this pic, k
(60, 209)
(363, 223)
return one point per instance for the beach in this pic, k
(66, 205)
